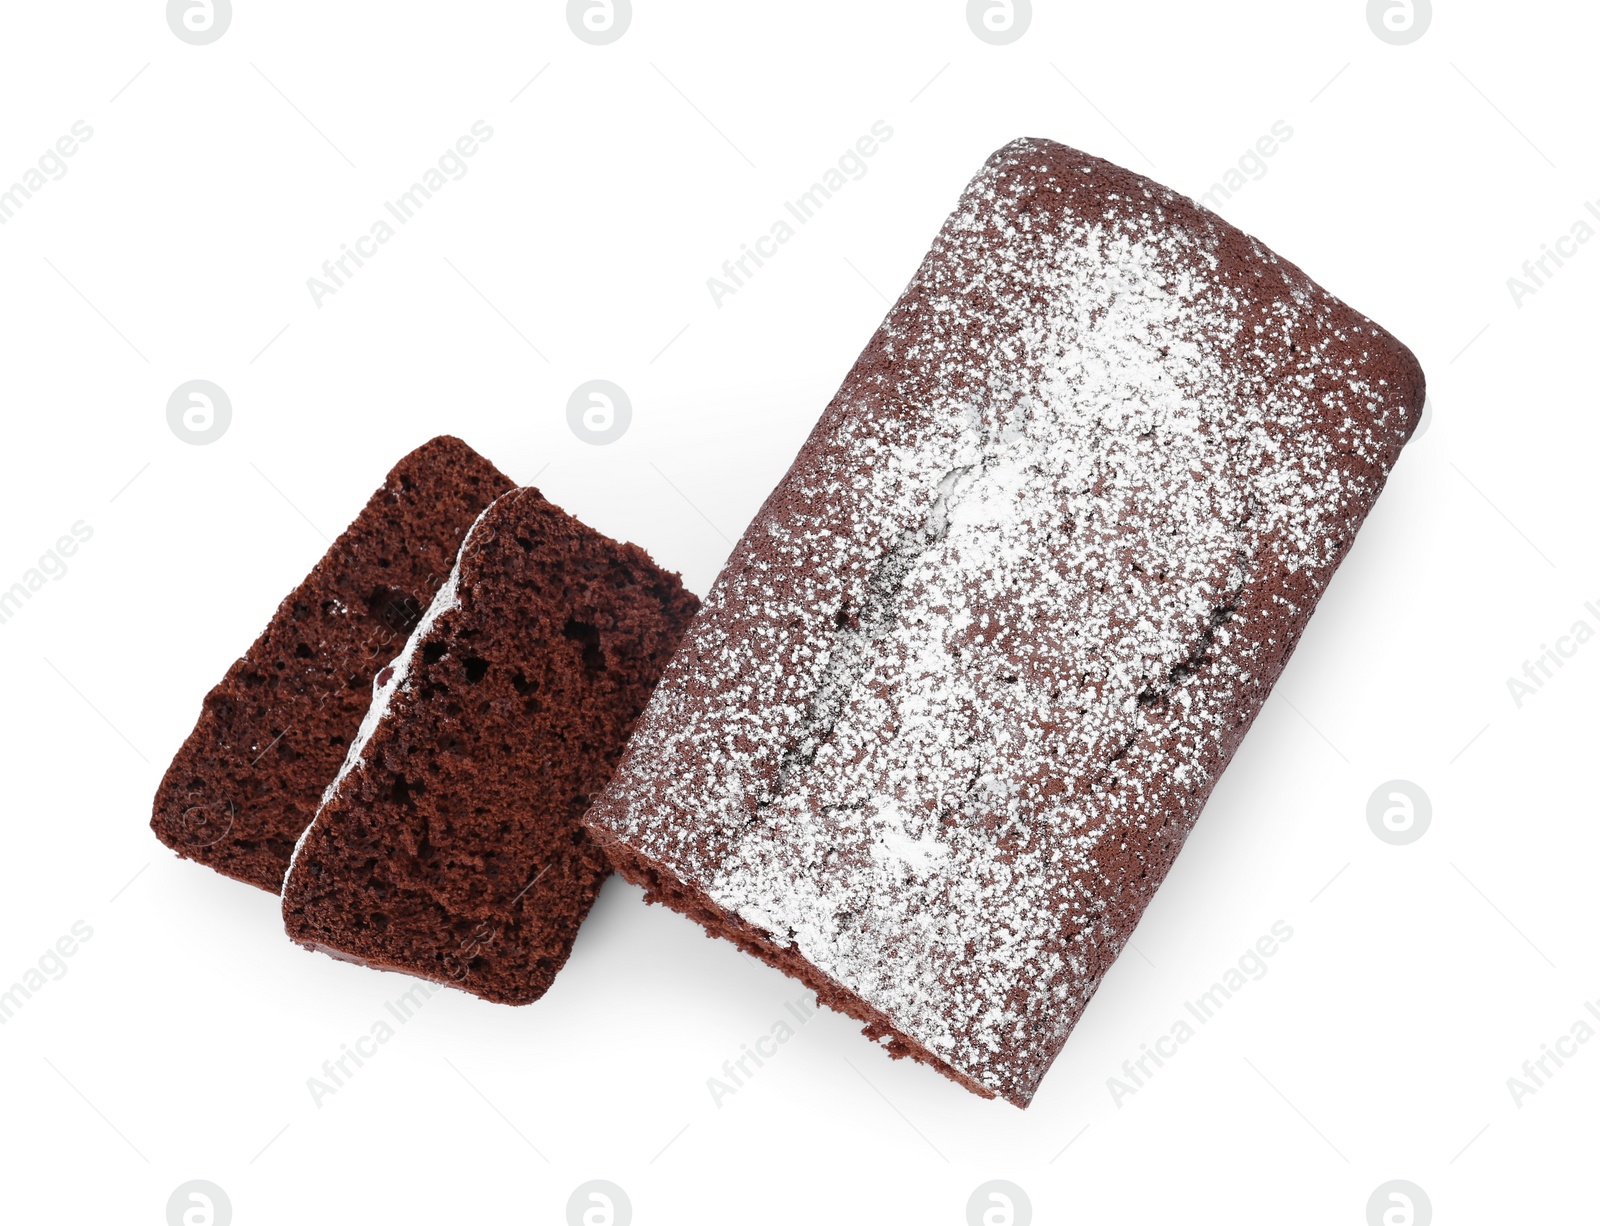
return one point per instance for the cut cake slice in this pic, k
(272, 733)
(450, 845)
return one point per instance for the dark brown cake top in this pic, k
(969, 676)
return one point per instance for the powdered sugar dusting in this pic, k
(978, 662)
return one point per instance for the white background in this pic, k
(178, 245)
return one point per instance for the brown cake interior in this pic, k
(273, 732)
(454, 850)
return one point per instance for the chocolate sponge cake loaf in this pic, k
(272, 733)
(965, 683)
(450, 844)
